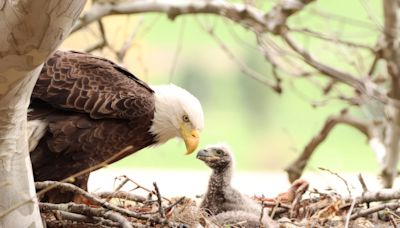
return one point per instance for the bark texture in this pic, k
(30, 31)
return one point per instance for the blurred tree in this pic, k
(251, 92)
(196, 81)
(361, 70)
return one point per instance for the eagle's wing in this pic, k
(81, 82)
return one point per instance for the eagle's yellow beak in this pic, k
(191, 137)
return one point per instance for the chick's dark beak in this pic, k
(202, 154)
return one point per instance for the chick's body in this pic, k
(226, 204)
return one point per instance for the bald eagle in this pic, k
(86, 108)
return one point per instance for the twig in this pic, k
(86, 210)
(276, 57)
(95, 199)
(381, 195)
(362, 182)
(343, 19)
(144, 188)
(121, 195)
(83, 218)
(262, 213)
(365, 212)
(274, 209)
(128, 43)
(298, 194)
(346, 225)
(295, 169)
(174, 204)
(242, 66)
(329, 37)
(88, 170)
(340, 177)
(118, 187)
(344, 77)
(160, 207)
(370, 14)
(393, 216)
(103, 41)
(392, 221)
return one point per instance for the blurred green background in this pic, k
(266, 130)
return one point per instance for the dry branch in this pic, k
(88, 170)
(329, 37)
(366, 212)
(245, 69)
(86, 219)
(103, 42)
(86, 210)
(121, 195)
(158, 194)
(296, 168)
(244, 14)
(346, 78)
(94, 199)
(381, 195)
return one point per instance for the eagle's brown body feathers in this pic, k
(91, 106)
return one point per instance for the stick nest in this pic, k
(297, 207)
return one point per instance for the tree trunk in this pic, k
(391, 53)
(30, 32)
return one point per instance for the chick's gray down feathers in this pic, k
(222, 200)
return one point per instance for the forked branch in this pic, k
(295, 169)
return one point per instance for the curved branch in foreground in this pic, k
(83, 209)
(95, 199)
(246, 15)
(295, 169)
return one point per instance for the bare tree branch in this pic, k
(295, 169)
(329, 37)
(86, 210)
(346, 78)
(103, 42)
(244, 14)
(128, 43)
(121, 195)
(88, 170)
(158, 194)
(381, 195)
(77, 190)
(391, 47)
(391, 53)
(372, 210)
(88, 219)
(243, 67)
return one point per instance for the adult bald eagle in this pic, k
(86, 108)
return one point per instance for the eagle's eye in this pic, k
(185, 118)
(219, 152)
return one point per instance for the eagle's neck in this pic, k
(164, 125)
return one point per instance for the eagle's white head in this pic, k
(177, 114)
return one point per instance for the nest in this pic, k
(299, 206)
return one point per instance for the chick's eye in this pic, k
(219, 152)
(185, 118)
